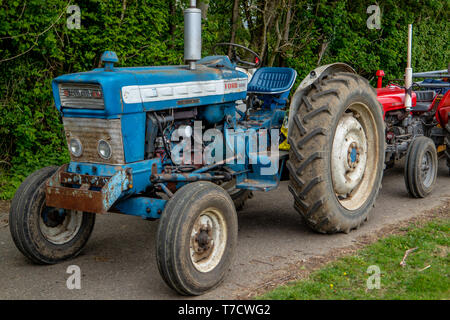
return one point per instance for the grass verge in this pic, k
(425, 275)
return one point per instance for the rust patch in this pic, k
(154, 168)
(172, 186)
(62, 195)
(187, 101)
(73, 178)
(75, 199)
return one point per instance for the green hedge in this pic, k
(36, 46)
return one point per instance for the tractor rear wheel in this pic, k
(421, 166)
(337, 153)
(196, 238)
(447, 146)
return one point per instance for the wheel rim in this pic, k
(208, 240)
(427, 169)
(354, 156)
(60, 226)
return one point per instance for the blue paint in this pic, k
(113, 81)
(133, 133)
(147, 208)
(272, 80)
(213, 113)
(109, 58)
(141, 172)
(114, 189)
(353, 155)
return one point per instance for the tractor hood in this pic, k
(110, 92)
(393, 98)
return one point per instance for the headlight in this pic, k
(75, 147)
(104, 149)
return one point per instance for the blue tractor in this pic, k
(130, 133)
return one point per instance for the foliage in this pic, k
(36, 46)
(425, 276)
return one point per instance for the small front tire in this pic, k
(421, 167)
(44, 234)
(196, 238)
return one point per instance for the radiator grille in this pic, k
(81, 96)
(89, 131)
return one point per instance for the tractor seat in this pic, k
(423, 96)
(424, 100)
(271, 80)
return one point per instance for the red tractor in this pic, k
(417, 124)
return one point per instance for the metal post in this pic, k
(408, 72)
(192, 35)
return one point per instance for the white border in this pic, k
(182, 90)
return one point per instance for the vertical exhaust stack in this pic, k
(408, 72)
(192, 35)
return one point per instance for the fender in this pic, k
(443, 110)
(309, 79)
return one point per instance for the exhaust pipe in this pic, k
(408, 72)
(192, 35)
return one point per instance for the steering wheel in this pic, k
(235, 57)
(415, 86)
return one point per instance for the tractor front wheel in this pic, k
(421, 167)
(46, 235)
(337, 153)
(196, 238)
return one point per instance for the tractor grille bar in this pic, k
(81, 96)
(89, 131)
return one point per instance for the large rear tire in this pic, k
(44, 234)
(421, 166)
(337, 153)
(196, 238)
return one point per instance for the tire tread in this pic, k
(310, 131)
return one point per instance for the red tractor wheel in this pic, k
(421, 167)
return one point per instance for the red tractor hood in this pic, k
(393, 98)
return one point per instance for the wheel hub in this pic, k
(208, 240)
(59, 226)
(353, 156)
(349, 155)
(53, 217)
(203, 241)
(426, 170)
